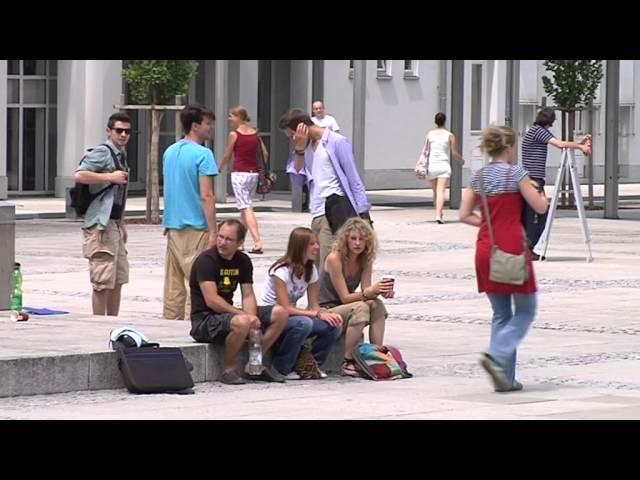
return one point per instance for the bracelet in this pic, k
(299, 152)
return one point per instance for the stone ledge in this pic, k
(99, 371)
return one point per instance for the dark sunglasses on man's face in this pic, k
(120, 131)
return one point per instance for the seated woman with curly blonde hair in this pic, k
(348, 266)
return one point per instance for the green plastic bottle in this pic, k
(16, 293)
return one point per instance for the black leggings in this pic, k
(534, 222)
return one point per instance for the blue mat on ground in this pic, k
(42, 311)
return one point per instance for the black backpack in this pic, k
(146, 367)
(80, 195)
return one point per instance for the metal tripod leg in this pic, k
(567, 163)
(577, 193)
(543, 242)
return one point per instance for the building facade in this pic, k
(51, 111)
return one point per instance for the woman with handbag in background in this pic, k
(245, 146)
(503, 263)
(434, 162)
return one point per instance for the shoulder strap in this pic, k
(114, 155)
(118, 166)
(260, 153)
(485, 204)
(426, 142)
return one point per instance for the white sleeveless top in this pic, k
(439, 147)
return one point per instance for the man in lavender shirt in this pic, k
(324, 161)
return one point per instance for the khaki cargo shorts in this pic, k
(107, 255)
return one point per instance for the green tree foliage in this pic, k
(574, 82)
(155, 83)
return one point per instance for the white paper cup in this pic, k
(389, 278)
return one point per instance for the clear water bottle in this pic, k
(16, 293)
(255, 351)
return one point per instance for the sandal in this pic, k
(349, 368)
(257, 251)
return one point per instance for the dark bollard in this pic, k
(7, 251)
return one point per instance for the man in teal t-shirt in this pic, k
(189, 207)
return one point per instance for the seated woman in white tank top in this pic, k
(439, 145)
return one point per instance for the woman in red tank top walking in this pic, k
(506, 186)
(243, 144)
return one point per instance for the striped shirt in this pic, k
(534, 150)
(499, 177)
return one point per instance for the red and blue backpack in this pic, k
(380, 362)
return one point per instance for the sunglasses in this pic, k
(120, 131)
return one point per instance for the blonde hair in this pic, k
(341, 243)
(241, 112)
(496, 139)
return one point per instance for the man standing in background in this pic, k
(189, 207)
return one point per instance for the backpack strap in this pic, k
(118, 165)
(114, 156)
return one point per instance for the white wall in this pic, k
(338, 94)
(87, 92)
(398, 113)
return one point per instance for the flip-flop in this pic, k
(257, 251)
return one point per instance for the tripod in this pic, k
(567, 163)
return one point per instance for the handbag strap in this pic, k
(424, 148)
(261, 153)
(485, 204)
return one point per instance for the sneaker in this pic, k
(293, 376)
(323, 374)
(516, 387)
(231, 378)
(269, 374)
(439, 220)
(496, 373)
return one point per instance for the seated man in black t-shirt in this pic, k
(215, 275)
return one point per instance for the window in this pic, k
(476, 97)
(411, 69)
(31, 125)
(383, 69)
(626, 127)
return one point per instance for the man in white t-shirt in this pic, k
(322, 119)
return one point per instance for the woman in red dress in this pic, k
(506, 187)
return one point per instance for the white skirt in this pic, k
(438, 169)
(244, 186)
